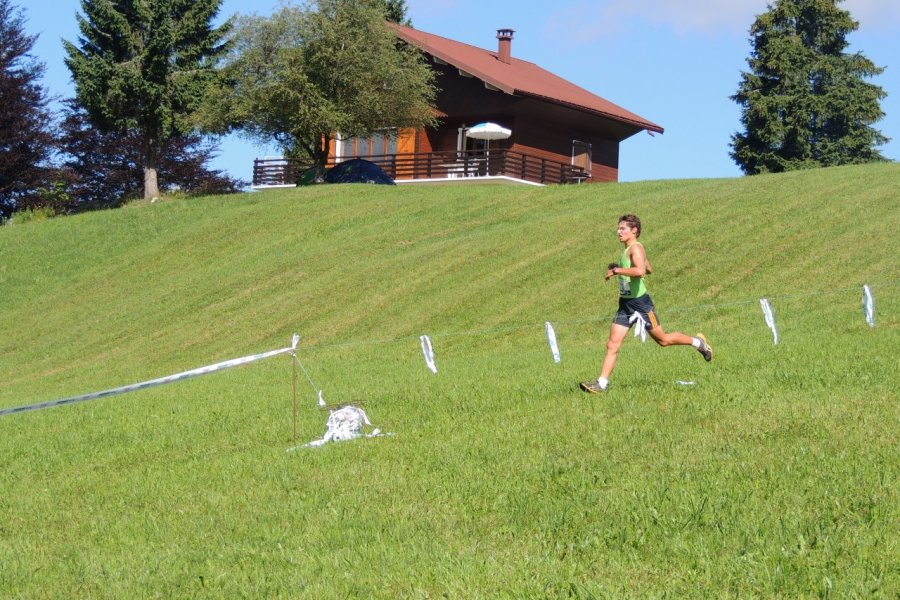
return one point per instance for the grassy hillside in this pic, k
(776, 474)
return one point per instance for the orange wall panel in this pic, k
(406, 141)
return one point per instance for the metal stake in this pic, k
(294, 386)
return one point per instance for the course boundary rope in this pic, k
(143, 385)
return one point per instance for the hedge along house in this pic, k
(559, 132)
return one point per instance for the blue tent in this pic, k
(357, 170)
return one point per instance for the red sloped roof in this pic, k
(518, 77)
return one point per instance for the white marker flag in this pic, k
(428, 351)
(321, 398)
(551, 339)
(640, 326)
(770, 317)
(868, 304)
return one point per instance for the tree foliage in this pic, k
(805, 101)
(141, 68)
(103, 169)
(305, 73)
(396, 11)
(25, 140)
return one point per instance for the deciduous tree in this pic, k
(805, 102)
(306, 73)
(25, 141)
(141, 67)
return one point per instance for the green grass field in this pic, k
(776, 475)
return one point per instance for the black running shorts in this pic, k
(641, 304)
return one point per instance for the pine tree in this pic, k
(25, 141)
(395, 10)
(142, 66)
(805, 102)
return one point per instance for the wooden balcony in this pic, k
(436, 166)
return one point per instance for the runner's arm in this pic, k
(638, 266)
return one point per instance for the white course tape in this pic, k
(640, 326)
(428, 351)
(235, 362)
(770, 317)
(551, 339)
(868, 306)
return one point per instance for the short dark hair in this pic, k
(633, 222)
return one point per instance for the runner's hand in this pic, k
(609, 270)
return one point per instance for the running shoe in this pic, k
(592, 387)
(705, 349)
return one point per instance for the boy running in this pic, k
(635, 304)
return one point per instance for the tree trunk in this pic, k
(151, 184)
(321, 157)
(151, 154)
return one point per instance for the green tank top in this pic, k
(630, 287)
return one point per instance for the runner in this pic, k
(635, 305)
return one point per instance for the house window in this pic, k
(382, 143)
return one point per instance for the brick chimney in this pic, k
(504, 48)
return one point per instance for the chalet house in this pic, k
(557, 132)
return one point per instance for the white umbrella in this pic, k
(488, 131)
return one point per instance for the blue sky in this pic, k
(674, 62)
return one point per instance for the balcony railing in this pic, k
(435, 165)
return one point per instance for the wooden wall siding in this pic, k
(540, 153)
(441, 139)
(406, 144)
(406, 141)
(603, 174)
(424, 143)
(554, 141)
(466, 98)
(604, 161)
